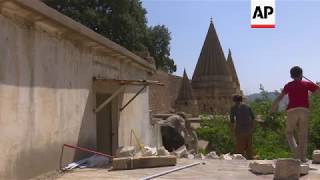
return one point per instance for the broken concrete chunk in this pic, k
(199, 156)
(149, 151)
(226, 156)
(304, 169)
(202, 144)
(212, 155)
(287, 169)
(262, 167)
(181, 151)
(190, 156)
(238, 157)
(316, 157)
(126, 151)
(162, 151)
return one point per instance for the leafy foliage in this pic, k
(122, 21)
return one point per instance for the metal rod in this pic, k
(88, 150)
(110, 99)
(170, 171)
(133, 98)
(310, 80)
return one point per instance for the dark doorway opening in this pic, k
(104, 125)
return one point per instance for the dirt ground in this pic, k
(213, 169)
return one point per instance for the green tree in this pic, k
(158, 46)
(122, 21)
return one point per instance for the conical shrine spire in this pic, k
(233, 71)
(211, 61)
(185, 92)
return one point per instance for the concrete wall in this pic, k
(47, 98)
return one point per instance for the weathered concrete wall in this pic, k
(47, 98)
(162, 98)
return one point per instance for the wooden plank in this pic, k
(121, 89)
(143, 162)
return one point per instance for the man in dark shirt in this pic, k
(242, 117)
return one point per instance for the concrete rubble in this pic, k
(162, 151)
(261, 167)
(181, 152)
(287, 169)
(212, 155)
(304, 169)
(126, 151)
(238, 157)
(226, 156)
(316, 157)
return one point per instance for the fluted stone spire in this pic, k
(185, 92)
(211, 65)
(233, 71)
(212, 81)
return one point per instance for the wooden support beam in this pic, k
(121, 89)
(122, 108)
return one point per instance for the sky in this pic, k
(261, 56)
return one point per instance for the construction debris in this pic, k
(226, 156)
(238, 157)
(93, 161)
(262, 167)
(212, 155)
(149, 151)
(162, 151)
(180, 152)
(202, 144)
(287, 169)
(199, 156)
(316, 157)
(143, 162)
(304, 169)
(126, 151)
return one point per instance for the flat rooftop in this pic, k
(213, 169)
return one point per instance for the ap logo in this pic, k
(263, 14)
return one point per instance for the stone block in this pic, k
(287, 169)
(316, 157)
(143, 162)
(262, 167)
(304, 169)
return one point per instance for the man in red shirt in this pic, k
(297, 111)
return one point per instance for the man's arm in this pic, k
(276, 102)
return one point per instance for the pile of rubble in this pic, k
(182, 152)
(284, 168)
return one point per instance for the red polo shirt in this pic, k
(298, 93)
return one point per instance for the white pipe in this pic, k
(170, 171)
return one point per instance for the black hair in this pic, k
(237, 98)
(296, 72)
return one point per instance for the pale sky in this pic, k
(260, 55)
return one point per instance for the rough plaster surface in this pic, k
(47, 98)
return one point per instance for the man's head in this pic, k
(237, 99)
(296, 73)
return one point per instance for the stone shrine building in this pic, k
(215, 79)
